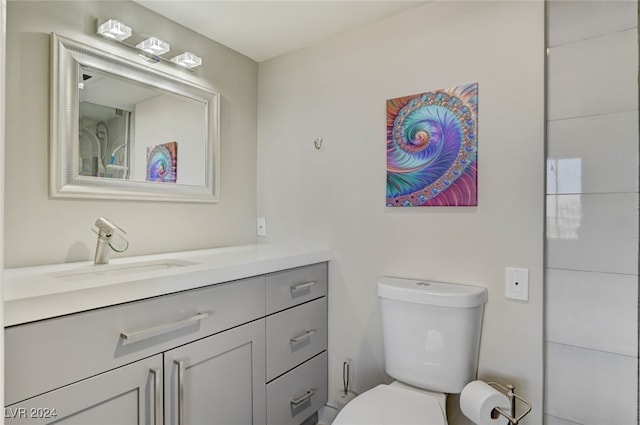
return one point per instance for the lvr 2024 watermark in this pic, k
(30, 412)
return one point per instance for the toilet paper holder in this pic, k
(509, 391)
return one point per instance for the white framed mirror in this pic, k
(121, 129)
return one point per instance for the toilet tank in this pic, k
(431, 332)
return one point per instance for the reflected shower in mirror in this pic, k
(104, 141)
(105, 123)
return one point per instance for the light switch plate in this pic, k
(517, 284)
(262, 226)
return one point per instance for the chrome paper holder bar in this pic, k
(509, 391)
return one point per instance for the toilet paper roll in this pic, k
(343, 398)
(478, 399)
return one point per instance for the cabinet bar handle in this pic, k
(180, 365)
(303, 398)
(307, 334)
(164, 328)
(157, 397)
(300, 286)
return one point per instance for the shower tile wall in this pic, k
(591, 316)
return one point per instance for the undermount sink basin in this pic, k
(109, 270)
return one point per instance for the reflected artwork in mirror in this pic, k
(110, 111)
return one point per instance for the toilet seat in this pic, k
(392, 405)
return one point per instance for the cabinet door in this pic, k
(218, 380)
(130, 394)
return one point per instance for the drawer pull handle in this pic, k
(303, 398)
(306, 335)
(164, 328)
(180, 365)
(157, 397)
(301, 286)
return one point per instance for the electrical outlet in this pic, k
(517, 284)
(262, 226)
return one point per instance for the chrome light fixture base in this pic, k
(151, 49)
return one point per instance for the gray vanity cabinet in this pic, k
(128, 395)
(218, 380)
(245, 352)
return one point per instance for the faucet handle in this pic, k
(106, 230)
(107, 227)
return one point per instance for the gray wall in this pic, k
(592, 214)
(43, 231)
(337, 90)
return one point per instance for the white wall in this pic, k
(337, 90)
(165, 119)
(592, 214)
(42, 231)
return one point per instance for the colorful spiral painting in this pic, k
(432, 148)
(162, 163)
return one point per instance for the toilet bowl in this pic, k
(431, 333)
(394, 404)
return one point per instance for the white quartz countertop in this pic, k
(41, 292)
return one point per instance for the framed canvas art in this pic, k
(432, 148)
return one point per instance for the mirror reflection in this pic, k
(104, 141)
(132, 131)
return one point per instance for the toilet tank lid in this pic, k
(431, 293)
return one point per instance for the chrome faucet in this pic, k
(106, 230)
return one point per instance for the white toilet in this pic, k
(431, 335)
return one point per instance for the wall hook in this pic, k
(318, 143)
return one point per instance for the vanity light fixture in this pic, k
(188, 60)
(114, 29)
(151, 49)
(154, 45)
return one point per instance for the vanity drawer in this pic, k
(295, 286)
(295, 335)
(295, 396)
(45, 355)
